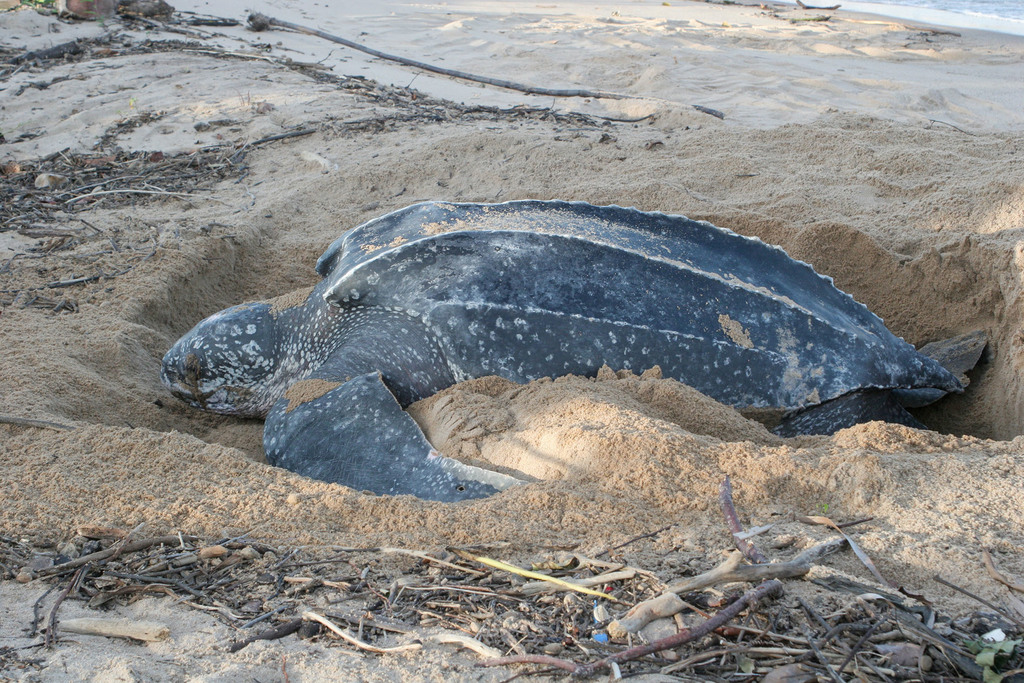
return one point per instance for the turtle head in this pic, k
(227, 363)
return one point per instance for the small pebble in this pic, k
(213, 551)
(40, 562)
(248, 553)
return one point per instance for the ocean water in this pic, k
(1005, 16)
(995, 9)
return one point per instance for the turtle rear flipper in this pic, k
(355, 433)
(850, 409)
(959, 355)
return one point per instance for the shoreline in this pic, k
(938, 17)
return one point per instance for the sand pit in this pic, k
(921, 221)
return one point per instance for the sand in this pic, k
(887, 156)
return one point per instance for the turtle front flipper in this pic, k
(355, 433)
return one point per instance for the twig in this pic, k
(860, 642)
(980, 599)
(263, 617)
(732, 570)
(822, 659)
(261, 22)
(29, 422)
(126, 190)
(36, 606)
(990, 567)
(50, 639)
(642, 536)
(279, 631)
(536, 587)
(467, 642)
(349, 638)
(965, 132)
(283, 136)
(237, 156)
(504, 566)
(749, 550)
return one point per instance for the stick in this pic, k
(748, 549)
(536, 587)
(449, 637)
(990, 566)
(279, 631)
(127, 191)
(664, 528)
(29, 422)
(347, 637)
(498, 564)
(931, 121)
(980, 599)
(732, 570)
(261, 22)
(134, 629)
(70, 48)
(51, 628)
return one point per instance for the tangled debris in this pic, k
(579, 614)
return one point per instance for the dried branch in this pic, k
(261, 22)
(749, 550)
(279, 631)
(349, 638)
(990, 567)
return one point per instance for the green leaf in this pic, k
(986, 658)
(990, 676)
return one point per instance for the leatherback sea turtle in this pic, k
(435, 293)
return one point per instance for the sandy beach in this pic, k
(887, 154)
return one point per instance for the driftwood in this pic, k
(830, 7)
(134, 629)
(261, 22)
(70, 48)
